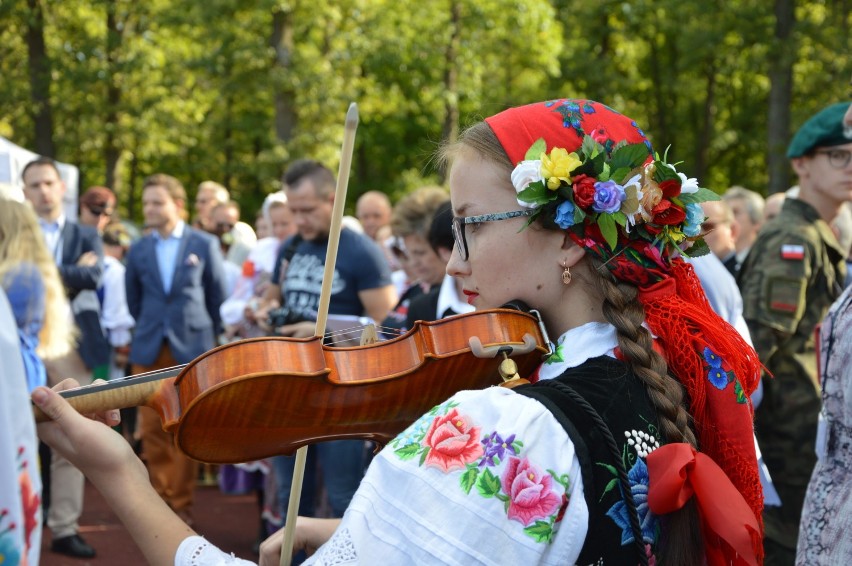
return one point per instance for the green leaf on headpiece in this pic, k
(604, 175)
(663, 172)
(619, 175)
(629, 156)
(590, 147)
(608, 228)
(698, 249)
(579, 215)
(619, 218)
(566, 192)
(590, 167)
(536, 149)
(701, 195)
(536, 193)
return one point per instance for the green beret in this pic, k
(823, 129)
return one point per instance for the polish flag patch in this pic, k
(791, 251)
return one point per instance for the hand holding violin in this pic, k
(106, 458)
(85, 442)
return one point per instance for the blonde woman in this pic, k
(29, 276)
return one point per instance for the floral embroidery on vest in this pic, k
(491, 465)
(636, 448)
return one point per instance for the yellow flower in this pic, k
(676, 234)
(557, 166)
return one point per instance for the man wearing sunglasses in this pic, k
(97, 206)
(792, 275)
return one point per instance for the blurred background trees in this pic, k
(231, 90)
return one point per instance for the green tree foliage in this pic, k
(231, 90)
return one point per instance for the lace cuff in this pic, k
(196, 551)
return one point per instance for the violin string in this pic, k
(354, 332)
(358, 329)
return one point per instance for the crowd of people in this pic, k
(666, 364)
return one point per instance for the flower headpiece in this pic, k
(616, 198)
(591, 171)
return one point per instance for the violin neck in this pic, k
(133, 391)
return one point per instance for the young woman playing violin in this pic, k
(633, 442)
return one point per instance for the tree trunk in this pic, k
(112, 151)
(285, 97)
(780, 95)
(450, 131)
(39, 70)
(705, 136)
(133, 175)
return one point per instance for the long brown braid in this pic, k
(681, 543)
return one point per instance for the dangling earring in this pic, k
(566, 274)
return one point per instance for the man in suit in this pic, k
(175, 284)
(79, 257)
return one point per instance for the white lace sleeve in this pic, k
(195, 551)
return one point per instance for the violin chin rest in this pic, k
(517, 305)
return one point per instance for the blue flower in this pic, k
(694, 218)
(608, 196)
(638, 478)
(718, 378)
(711, 358)
(565, 214)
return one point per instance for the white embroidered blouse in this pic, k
(487, 477)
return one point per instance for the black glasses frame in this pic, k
(459, 223)
(837, 158)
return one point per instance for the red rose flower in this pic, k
(670, 188)
(667, 213)
(530, 492)
(452, 441)
(584, 191)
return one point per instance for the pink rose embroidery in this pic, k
(453, 442)
(530, 492)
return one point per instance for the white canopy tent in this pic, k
(13, 158)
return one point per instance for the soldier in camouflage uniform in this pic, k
(792, 275)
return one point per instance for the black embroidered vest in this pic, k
(621, 400)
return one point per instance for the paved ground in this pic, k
(229, 521)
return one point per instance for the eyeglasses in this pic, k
(837, 158)
(459, 223)
(100, 211)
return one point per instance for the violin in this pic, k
(268, 396)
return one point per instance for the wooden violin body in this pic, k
(267, 396)
(294, 392)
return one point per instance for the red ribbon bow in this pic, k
(676, 472)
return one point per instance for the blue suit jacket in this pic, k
(77, 239)
(188, 315)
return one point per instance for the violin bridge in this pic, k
(369, 335)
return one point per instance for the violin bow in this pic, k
(322, 315)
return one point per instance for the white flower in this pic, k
(524, 174)
(688, 185)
